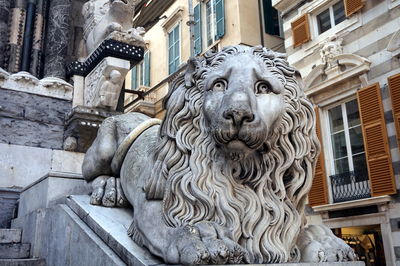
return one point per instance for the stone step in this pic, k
(22, 262)
(8, 236)
(15, 251)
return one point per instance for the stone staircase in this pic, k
(15, 253)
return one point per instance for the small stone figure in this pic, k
(110, 89)
(224, 179)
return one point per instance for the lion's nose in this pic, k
(238, 116)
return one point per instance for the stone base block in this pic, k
(49, 190)
(111, 225)
(8, 236)
(60, 237)
(15, 251)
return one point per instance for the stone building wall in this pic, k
(32, 120)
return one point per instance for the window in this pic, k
(140, 74)
(209, 26)
(346, 139)
(271, 19)
(331, 17)
(174, 53)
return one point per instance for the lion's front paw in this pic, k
(317, 243)
(107, 192)
(204, 243)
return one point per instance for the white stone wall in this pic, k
(22, 165)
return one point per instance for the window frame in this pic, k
(327, 133)
(140, 74)
(331, 17)
(170, 30)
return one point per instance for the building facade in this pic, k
(189, 28)
(348, 54)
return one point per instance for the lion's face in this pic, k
(242, 103)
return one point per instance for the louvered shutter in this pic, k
(352, 6)
(300, 30)
(220, 18)
(319, 191)
(394, 86)
(146, 66)
(134, 78)
(377, 151)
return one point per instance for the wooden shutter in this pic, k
(197, 30)
(376, 145)
(220, 18)
(394, 87)
(352, 6)
(319, 191)
(301, 30)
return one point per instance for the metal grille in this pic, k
(350, 186)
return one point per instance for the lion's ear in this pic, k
(192, 66)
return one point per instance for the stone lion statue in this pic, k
(225, 177)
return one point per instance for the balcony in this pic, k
(350, 186)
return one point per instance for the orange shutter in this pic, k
(376, 145)
(319, 191)
(352, 6)
(301, 30)
(394, 87)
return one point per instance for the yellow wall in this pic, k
(242, 26)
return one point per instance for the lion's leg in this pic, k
(98, 157)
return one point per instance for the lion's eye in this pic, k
(219, 85)
(263, 87)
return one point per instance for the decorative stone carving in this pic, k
(225, 177)
(329, 50)
(103, 85)
(103, 17)
(26, 82)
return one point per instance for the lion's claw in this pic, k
(204, 243)
(107, 192)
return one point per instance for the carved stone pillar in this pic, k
(4, 15)
(36, 57)
(17, 27)
(57, 38)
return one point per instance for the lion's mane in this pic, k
(265, 210)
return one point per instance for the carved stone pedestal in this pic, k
(81, 127)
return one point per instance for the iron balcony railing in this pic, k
(350, 186)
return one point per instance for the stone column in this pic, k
(36, 57)
(17, 27)
(57, 38)
(4, 15)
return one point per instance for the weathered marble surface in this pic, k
(57, 38)
(214, 185)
